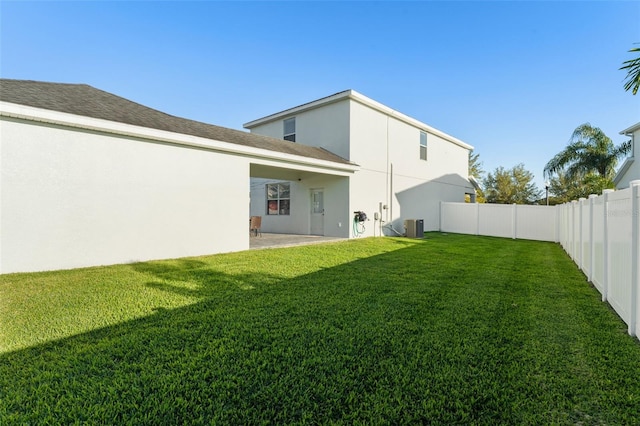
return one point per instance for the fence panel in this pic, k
(536, 223)
(460, 218)
(496, 220)
(563, 225)
(585, 236)
(575, 236)
(619, 252)
(597, 270)
(500, 220)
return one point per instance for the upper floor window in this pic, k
(278, 198)
(423, 146)
(290, 129)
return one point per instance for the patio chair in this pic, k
(254, 226)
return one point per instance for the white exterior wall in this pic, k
(71, 198)
(387, 148)
(326, 127)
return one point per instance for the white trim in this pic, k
(630, 130)
(360, 98)
(24, 112)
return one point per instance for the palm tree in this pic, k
(633, 73)
(589, 152)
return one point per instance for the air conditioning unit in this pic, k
(414, 228)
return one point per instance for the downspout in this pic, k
(390, 224)
(391, 195)
(389, 182)
(387, 179)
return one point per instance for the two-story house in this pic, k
(89, 178)
(406, 169)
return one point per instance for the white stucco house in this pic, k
(89, 178)
(406, 169)
(630, 169)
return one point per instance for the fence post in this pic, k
(574, 203)
(477, 218)
(635, 254)
(605, 246)
(592, 199)
(514, 222)
(441, 216)
(557, 209)
(582, 219)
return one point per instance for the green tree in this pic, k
(563, 190)
(589, 152)
(511, 186)
(476, 172)
(633, 72)
(475, 166)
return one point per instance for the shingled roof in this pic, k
(85, 100)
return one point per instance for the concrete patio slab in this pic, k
(287, 240)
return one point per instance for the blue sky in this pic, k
(513, 79)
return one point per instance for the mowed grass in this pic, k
(451, 329)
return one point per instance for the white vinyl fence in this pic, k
(601, 234)
(500, 220)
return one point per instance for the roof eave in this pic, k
(299, 109)
(364, 100)
(623, 169)
(8, 109)
(630, 130)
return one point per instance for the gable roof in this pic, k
(87, 101)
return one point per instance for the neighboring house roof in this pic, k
(360, 98)
(630, 130)
(628, 162)
(87, 101)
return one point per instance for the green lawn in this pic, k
(451, 329)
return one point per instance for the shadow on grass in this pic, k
(410, 336)
(196, 279)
